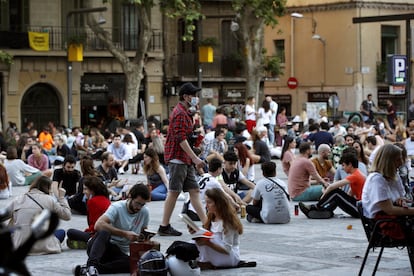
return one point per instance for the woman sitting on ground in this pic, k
(156, 176)
(245, 163)
(19, 172)
(26, 207)
(5, 184)
(98, 201)
(222, 250)
(39, 160)
(288, 154)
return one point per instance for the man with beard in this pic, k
(121, 224)
(68, 175)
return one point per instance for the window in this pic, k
(389, 41)
(280, 49)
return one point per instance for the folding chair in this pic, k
(376, 239)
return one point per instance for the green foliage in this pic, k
(77, 39)
(272, 66)
(6, 58)
(265, 9)
(209, 41)
(189, 10)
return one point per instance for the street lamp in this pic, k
(293, 16)
(323, 41)
(69, 63)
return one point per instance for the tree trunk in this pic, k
(133, 68)
(252, 31)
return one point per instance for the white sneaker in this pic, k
(121, 171)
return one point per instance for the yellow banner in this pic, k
(39, 41)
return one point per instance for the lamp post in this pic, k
(69, 63)
(323, 41)
(293, 16)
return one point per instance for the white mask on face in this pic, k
(194, 101)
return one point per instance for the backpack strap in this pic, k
(35, 201)
(287, 195)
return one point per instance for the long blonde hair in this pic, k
(385, 161)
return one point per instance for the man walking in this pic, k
(180, 158)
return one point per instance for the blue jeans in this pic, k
(313, 193)
(271, 134)
(159, 193)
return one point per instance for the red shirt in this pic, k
(179, 129)
(97, 205)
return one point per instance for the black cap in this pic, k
(188, 89)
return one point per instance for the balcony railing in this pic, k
(222, 66)
(57, 38)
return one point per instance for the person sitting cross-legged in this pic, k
(270, 199)
(334, 197)
(121, 224)
(98, 201)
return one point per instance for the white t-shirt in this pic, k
(206, 182)
(250, 113)
(275, 205)
(377, 189)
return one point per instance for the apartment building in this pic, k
(35, 87)
(324, 54)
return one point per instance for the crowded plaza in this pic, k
(228, 178)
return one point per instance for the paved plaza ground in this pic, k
(301, 247)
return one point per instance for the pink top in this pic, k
(299, 176)
(219, 119)
(282, 120)
(288, 157)
(41, 164)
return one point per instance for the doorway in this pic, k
(40, 104)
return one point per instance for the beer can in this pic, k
(296, 210)
(242, 211)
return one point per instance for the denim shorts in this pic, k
(182, 177)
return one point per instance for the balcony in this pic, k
(223, 66)
(122, 39)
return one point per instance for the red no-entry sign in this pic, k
(292, 83)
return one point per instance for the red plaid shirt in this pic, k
(179, 129)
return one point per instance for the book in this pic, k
(199, 231)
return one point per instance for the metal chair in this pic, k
(376, 239)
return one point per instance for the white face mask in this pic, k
(194, 101)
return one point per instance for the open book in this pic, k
(199, 231)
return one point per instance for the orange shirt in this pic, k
(356, 182)
(46, 140)
(323, 169)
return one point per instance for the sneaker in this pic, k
(121, 171)
(304, 208)
(92, 271)
(249, 218)
(314, 212)
(80, 270)
(72, 244)
(168, 231)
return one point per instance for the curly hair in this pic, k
(224, 210)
